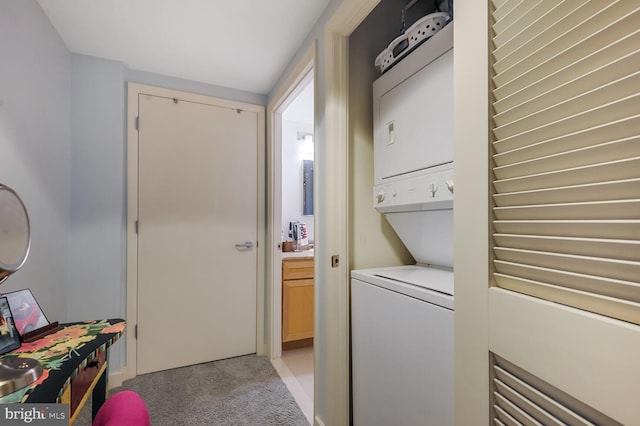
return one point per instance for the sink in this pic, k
(294, 254)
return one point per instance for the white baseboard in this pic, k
(115, 379)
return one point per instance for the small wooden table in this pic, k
(74, 361)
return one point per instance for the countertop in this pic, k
(297, 254)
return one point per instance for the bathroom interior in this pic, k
(297, 242)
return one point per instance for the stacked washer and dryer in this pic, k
(402, 318)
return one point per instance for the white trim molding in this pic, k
(332, 365)
(282, 98)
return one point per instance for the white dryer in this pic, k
(402, 318)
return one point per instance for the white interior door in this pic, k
(197, 206)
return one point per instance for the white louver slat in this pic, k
(530, 401)
(566, 175)
(606, 25)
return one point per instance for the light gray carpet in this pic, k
(238, 391)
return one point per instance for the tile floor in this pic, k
(295, 367)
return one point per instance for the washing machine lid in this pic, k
(439, 280)
(433, 285)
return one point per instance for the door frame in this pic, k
(332, 388)
(133, 92)
(293, 84)
(471, 231)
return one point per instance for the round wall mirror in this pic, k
(15, 232)
(15, 240)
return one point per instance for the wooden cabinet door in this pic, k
(297, 309)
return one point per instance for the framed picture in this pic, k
(27, 314)
(9, 337)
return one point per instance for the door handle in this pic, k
(246, 245)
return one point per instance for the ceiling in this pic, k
(242, 45)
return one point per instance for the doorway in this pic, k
(297, 212)
(292, 229)
(193, 229)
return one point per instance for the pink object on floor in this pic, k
(125, 408)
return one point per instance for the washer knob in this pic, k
(380, 196)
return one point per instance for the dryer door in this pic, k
(415, 128)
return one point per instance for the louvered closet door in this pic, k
(565, 296)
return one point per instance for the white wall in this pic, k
(97, 256)
(297, 121)
(293, 152)
(193, 87)
(373, 243)
(35, 147)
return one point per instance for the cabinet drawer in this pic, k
(294, 269)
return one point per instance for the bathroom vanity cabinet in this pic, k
(297, 298)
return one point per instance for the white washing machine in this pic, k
(402, 318)
(402, 346)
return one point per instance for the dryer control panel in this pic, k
(432, 190)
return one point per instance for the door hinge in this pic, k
(138, 123)
(137, 226)
(135, 331)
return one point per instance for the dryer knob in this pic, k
(433, 187)
(380, 196)
(450, 185)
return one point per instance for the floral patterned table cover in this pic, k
(63, 355)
